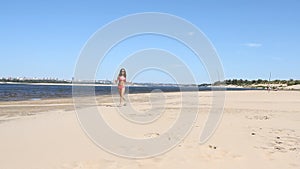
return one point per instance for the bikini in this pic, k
(121, 78)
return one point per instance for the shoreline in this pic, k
(40, 91)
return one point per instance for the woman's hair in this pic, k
(120, 74)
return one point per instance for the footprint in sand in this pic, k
(151, 135)
(278, 140)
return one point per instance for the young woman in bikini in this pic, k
(121, 85)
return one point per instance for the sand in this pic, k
(259, 129)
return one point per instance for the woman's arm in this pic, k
(116, 81)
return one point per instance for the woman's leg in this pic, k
(120, 93)
(123, 94)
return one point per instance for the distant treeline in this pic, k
(238, 82)
(242, 82)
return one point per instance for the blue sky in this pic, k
(252, 37)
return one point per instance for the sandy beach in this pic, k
(259, 129)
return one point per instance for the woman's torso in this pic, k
(121, 80)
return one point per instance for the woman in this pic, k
(121, 85)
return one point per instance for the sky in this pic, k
(252, 37)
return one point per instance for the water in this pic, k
(17, 92)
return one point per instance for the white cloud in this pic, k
(253, 45)
(191, 33)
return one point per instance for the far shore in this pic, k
(55, 84)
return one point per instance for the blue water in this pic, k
(17, 92)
